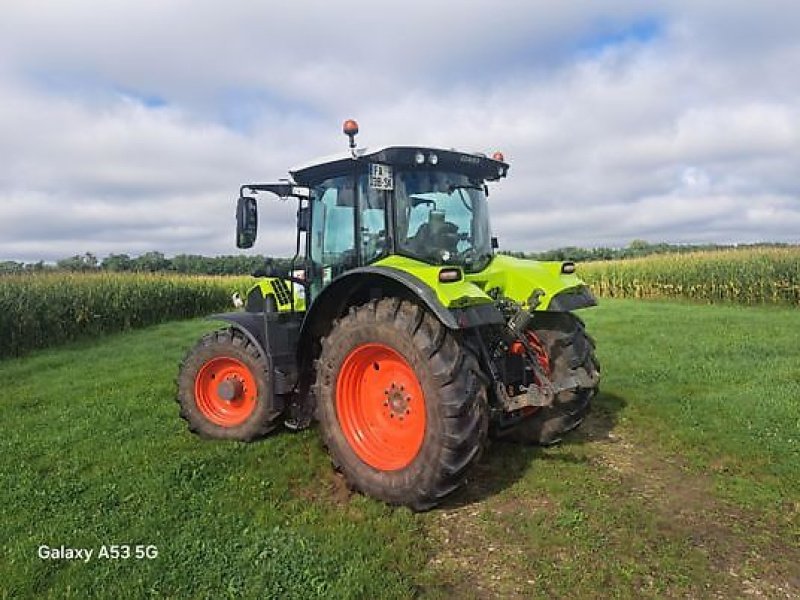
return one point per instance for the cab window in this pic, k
(332, 247)
(374, 241)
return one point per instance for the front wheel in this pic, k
(223, 388)
(401, 403)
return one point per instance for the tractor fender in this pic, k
(251, 325)
(365, 283)
(361, 284)
(275, 339)
(572, 299)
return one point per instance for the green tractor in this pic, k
(397, 327)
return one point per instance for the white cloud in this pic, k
(127, 127)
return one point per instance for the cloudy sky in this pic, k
(128, 126)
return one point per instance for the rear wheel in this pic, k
(223, 388)
(570, 357)
(401, 403)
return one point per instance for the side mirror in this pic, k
(303, 218)
(495, 243)
(246, 222)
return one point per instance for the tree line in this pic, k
(636, 249)
(240, 264)
(154, 262)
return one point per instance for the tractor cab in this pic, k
(362, 206)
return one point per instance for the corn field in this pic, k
(39, 310)
(750, 276)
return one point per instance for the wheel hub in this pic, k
(230, 389)
(397, 401)
(225, 391)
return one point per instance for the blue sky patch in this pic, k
(607, 35)
(143, 98)
(241, 107)
(90, 87)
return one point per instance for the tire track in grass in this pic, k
(751, 549)
(604, 511)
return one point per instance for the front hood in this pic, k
(517, 278)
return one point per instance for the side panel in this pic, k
(283, 291)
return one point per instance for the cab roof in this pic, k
(476, 166)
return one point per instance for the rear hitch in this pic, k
(534, 395)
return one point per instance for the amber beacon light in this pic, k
(350, 129)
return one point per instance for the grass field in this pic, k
(685, 481)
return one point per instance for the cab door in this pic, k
(332, 244)
(374, 240)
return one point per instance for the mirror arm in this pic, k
(283, 189)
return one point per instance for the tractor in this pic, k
(397, 327)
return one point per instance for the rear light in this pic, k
(448, 275)
(568, 268)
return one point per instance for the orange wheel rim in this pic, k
(541, 354)
(380, 407)
(225, 391)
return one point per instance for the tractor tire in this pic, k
(569, 348)
(224, 390)
(401, 402)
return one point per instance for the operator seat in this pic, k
(436, 234)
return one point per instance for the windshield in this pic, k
(442, 218)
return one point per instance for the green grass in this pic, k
(720, 385)
(93, 453)
(684, 482)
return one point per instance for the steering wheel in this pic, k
(372, 242)
(416, 201)
(450, 236)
